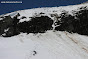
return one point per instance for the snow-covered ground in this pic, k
(28, 13)
(48, 11)
(50, 45)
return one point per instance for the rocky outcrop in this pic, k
(11, 26)
(77, 23)
(36, 25)
(5, 23)
(8, 26)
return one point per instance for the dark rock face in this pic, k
(9, 26)
(5, 23)
(65, 23)
(73, 24)
(78, 25)
(81, 23)
(36, 25)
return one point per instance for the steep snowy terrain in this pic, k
(45, 33)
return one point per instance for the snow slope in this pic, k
(48, 11)
(28, 13)
(49, 45)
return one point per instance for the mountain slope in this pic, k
(51, 45)
(45, 33)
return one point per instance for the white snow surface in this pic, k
(50, 45)
(48, 11)
(28, 13)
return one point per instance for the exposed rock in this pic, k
(36, 25)
(65, 23)
(23, 17)
(77, 23)
(10, 24)
(5, 23)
